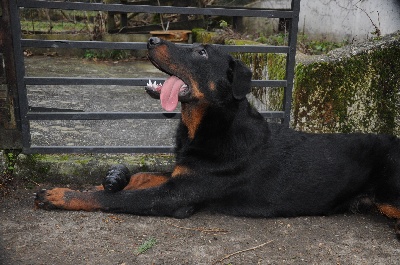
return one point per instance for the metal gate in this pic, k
(27, 115)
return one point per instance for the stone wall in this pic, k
(354, 88)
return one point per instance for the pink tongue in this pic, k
(170, 92)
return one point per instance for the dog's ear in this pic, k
(240, 78)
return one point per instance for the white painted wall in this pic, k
(343, 19)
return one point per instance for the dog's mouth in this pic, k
(170, 92)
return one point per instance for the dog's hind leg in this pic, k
(118, 178)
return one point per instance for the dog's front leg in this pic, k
(178, 197)
(153, 201)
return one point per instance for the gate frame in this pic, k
(10, 125)
(26, 115)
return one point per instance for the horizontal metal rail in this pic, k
(142, 46)
(121, 8)
(124, 81)
(78, 115)
(97, 149)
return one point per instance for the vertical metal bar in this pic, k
(290, 61)
(10, 127)
(20, 74)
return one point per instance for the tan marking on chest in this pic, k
(192, 117)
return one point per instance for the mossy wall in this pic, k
(354, 89)
(266, 66)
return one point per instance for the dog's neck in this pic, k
(211, 117)
(192, 116)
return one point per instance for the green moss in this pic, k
(266, 67)
(241, 42)
(202, 36)
(357, 93)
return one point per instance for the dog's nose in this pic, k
(153, 41)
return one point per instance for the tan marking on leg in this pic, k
(180, 170)
(389, 210)
(145, 180)
(192, 116)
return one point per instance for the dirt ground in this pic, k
(29, 236)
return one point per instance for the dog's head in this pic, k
(197, 73)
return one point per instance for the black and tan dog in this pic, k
(230, 160)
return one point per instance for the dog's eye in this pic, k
(203, 53)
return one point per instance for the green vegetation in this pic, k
(275, 39)
(148, 244)
(56, 21)
(53, 27)
(11, 158)
(266, 66)
(107, 54)
(304, 44)
(317, 47)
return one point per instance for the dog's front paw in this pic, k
(51, 199)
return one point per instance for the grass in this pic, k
(107, 54)
(148, 244)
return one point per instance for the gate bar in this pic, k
(32, 115)
(290, 62)
(121, 8)
(20, 73)
(123, 81)
(142, 46)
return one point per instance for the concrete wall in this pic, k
(338, 20)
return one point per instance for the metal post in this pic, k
(290, 61)
(21, 103)
(10, 124)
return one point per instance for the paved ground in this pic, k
(29, 236)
